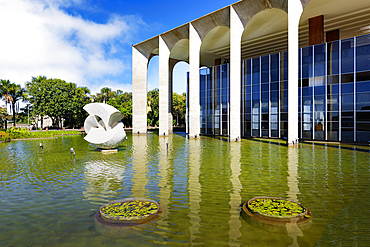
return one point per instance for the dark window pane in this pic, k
(333, 89)
(265, 87)
(347, 88)
(347, 98)
(363, 53)
(347, 78)
(363, 76)
(363, 86)
(347, 55)
(333, 79)
(319, 90)
(333, 116)
(307, 62)
(363, 116)
(333, 58)
(319, 60)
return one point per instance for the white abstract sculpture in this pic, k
(103, 126)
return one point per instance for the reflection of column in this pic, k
(292, 228)
(293, 174)
(194, 190)
(235, 198)
(139, 168)
(164, 188)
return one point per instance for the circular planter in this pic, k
(127, 217)
(273, 214)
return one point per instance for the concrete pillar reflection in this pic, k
(236, 31)
(294, 14)
(292, 228)
(139, 179)
(164, 80)
(139, 91)
(164, 187)
(293, 176)
(194, 62)
(235, 198)
(194, 191)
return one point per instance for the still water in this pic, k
(48, 199)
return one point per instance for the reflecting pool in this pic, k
(49, 199)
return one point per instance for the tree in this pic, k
(79, 97)
(104, 95)
(122, 102)
(3, 116)
(153, 105)
(4, 94)
(16, 93)
(179, 108)
(59, 100)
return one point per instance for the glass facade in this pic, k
(334, 94)
(214, 100)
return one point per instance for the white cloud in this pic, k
(39, 38)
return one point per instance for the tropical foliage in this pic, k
(153, 107)
(4, 136)
(17, 133)
(63, 102)
(59, 100)
(3, 117)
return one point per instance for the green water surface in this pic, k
(48, 199)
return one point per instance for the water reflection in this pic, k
(292, 228)
(103, 180)
(235, 198)
(194, 188)
(139, 178)
(164, 187)
(199, 183)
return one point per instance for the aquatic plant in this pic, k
(278, 208)
(130, 210)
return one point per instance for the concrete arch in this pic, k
(265, 33)
(207, 23)
(215, 39)
(180, 50)
(247, 9)
(148, 47)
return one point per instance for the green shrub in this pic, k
(4, 136)
(16, 133)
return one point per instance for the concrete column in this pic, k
(294, 14)
(194, 61)
(139, 92)
(236, 31)
(164, 107)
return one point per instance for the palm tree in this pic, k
(16, 93)
(4, 94)
(106, 93)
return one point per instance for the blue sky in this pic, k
(88, 42)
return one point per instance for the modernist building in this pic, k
(298, 69)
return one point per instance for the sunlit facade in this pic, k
(334, 94)
(290, 69)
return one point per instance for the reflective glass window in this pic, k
(363, 53)
(347, 47)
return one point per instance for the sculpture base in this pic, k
(108, 151)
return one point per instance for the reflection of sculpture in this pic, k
(103, 126)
